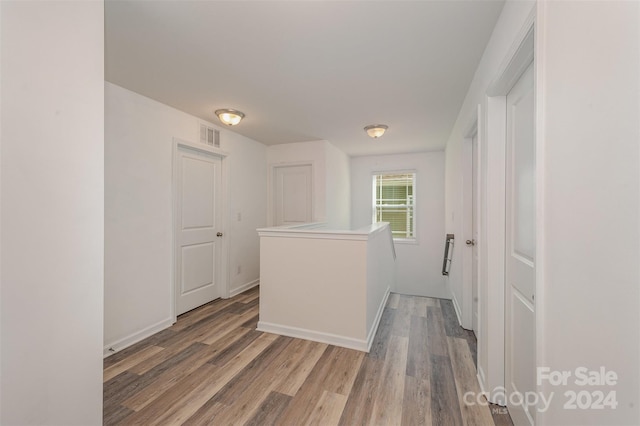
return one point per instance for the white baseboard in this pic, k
(331, 339)
(316, 336)
(481, 380)
(456, 308)
(376, 321)
(244, 287)
(125, 342)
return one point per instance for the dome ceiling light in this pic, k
(376, 130)
(230, 117)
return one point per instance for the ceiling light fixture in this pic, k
(230, 117)
(376, 130)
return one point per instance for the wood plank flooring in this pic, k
(213, 368)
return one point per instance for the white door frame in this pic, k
(492, 261)
(467, 212)
(271, 216)
(224, 244)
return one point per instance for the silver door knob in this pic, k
(219, 234)
(471, 242)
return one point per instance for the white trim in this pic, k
(328, 235)
(481, 379)
(481, 226)
(329, 338)
(224, 255)
(465, 310)
(495, 241)
(315, 232)
(539, 83)
(201, 147)
(244, 287)
(225, 221)
(458, 311)
(136, 337)
(376, 321)
(515, 62)
(517, 59)
(315, 336)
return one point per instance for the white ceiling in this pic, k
(306, 70)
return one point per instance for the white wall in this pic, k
(419, 266)
(247, 196)
(52, 212)
(338, 177)
(330, 179)
(509, 24)
(381, 276)
(511, 21)
(587, 295)
(301, 152)
(589, 292)
(138, 206)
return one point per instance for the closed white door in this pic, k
(474, 233)
(520, 248)
(293, 194)
(198, 232)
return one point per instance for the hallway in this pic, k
(213, 367)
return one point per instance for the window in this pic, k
(394, 202)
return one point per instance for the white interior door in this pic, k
(293, 194)
(474, 233)
(198, 229)
(520, 246)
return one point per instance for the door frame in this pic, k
(492, 257)
(224, 243)
(271, 192)
(473, 129)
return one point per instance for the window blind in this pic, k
(394, 202)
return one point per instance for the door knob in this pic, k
(219, 234)
(471, 242)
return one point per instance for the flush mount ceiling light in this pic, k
(230, 117)
(376, 130)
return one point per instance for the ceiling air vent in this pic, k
(209, 136)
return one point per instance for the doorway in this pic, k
(198, 228)
(292, 194)
(520, 243)
(472, 211)
(507, 331)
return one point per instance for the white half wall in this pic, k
(325, 285)
(138, 206)
(52, 210)
(418, 265)
(297, 274)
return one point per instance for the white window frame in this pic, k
(374, 175)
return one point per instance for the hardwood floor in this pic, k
(213, 367)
